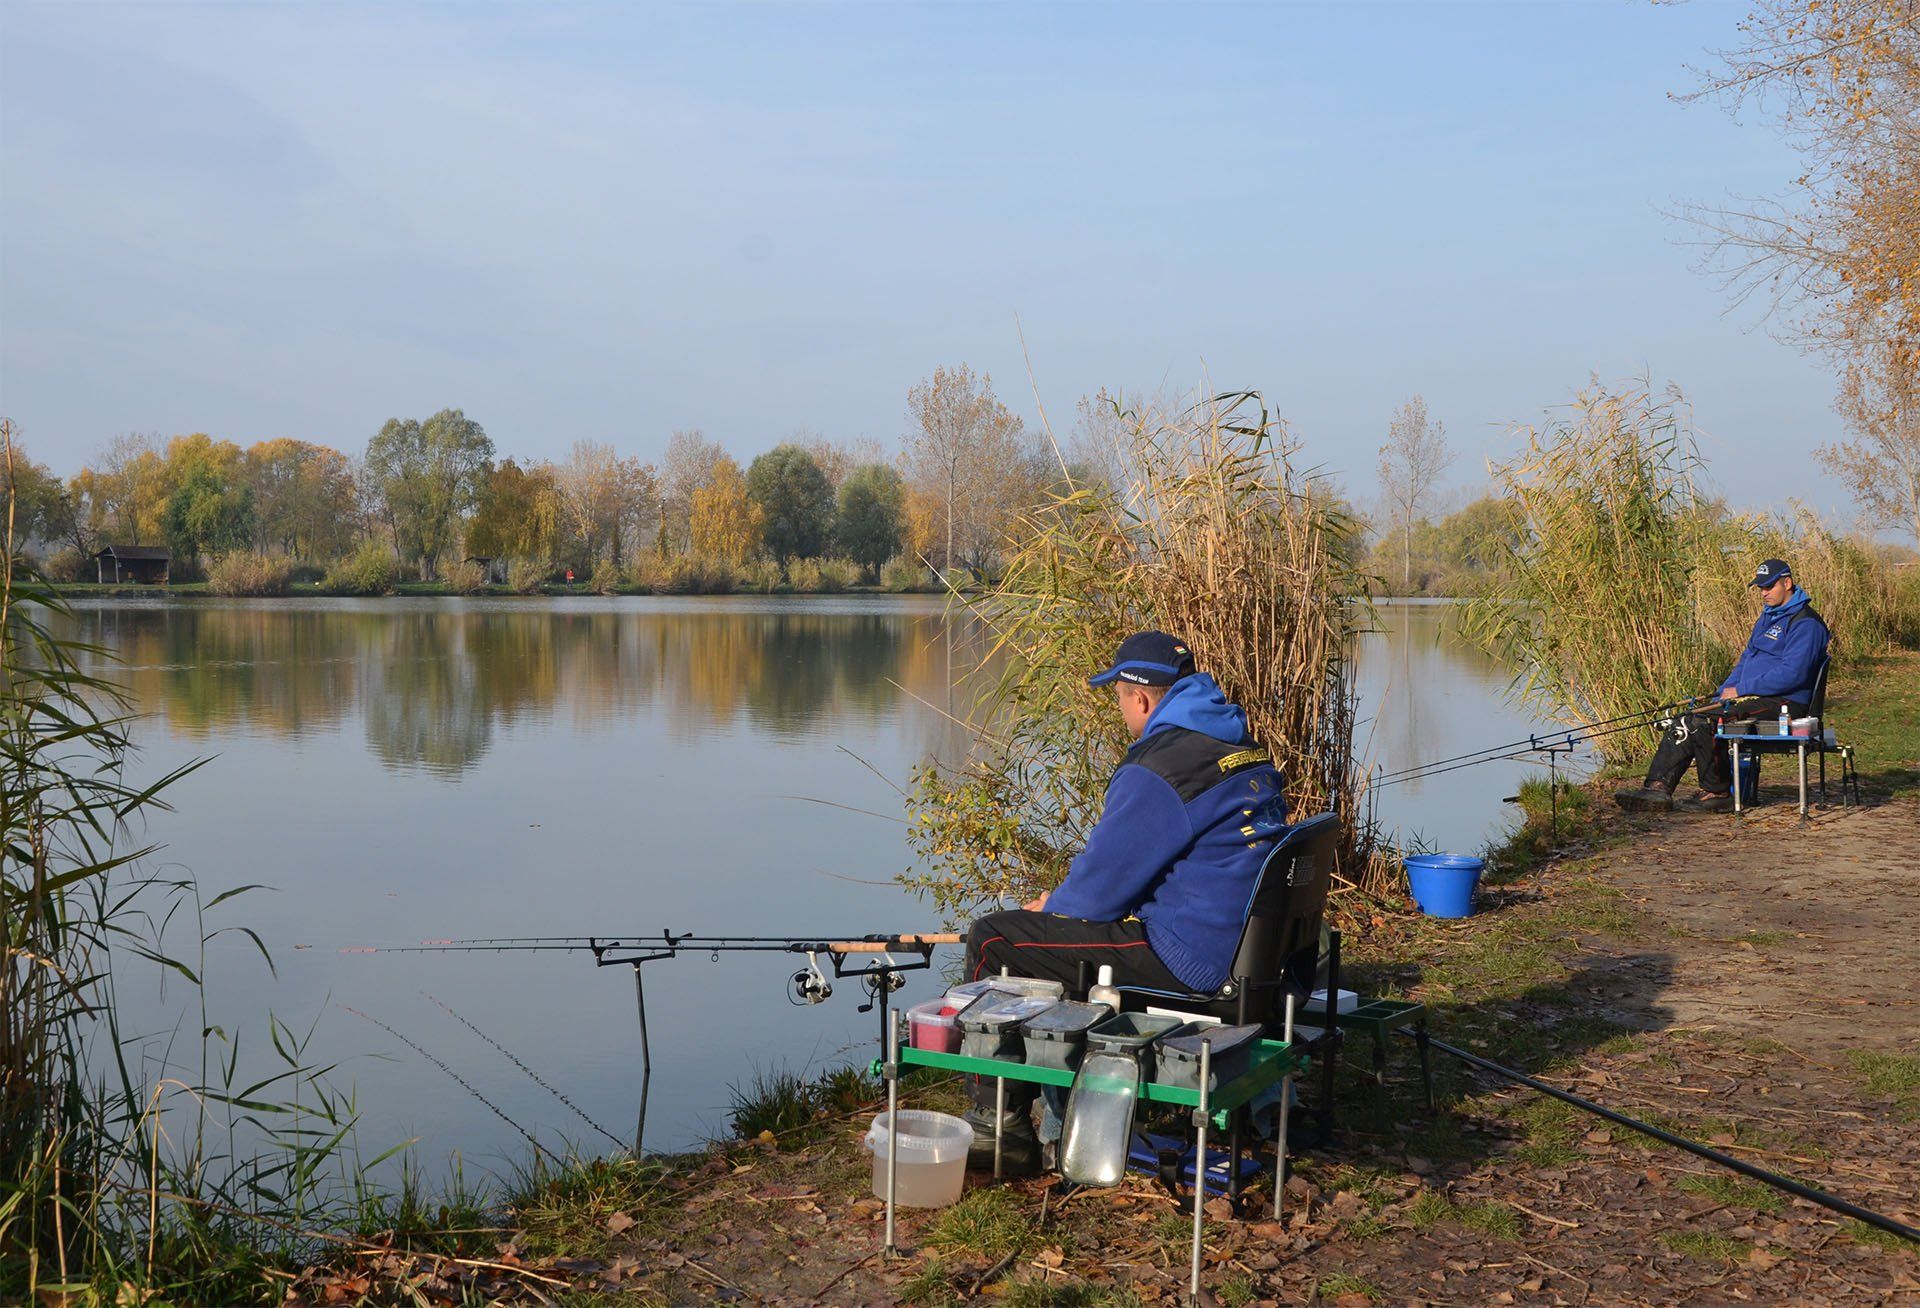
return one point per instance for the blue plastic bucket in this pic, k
(1747, 779)
(1443, 884)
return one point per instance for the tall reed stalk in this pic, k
(1595, 601)
(1215, 535)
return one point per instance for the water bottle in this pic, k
(1102, 991)
(1786, 721)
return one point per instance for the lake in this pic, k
(399, 770)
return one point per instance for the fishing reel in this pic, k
(883, 979)
(809, 985)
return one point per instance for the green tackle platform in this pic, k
(1378, 1019)
(1268, 1063)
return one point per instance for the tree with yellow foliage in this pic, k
(726, 524)
(1839, 254)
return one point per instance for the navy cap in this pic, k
(1148, 658)
(1769, 572)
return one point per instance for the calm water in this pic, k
(400, 770)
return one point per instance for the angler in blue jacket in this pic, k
(1778, 667)
(1161, 890)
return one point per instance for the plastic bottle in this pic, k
(1786, 721)
(1102, 991)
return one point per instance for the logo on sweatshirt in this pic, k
(1773, 633)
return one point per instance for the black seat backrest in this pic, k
(1280, 942)
(1817, 703)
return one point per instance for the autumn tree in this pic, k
(604, 499)
(963, 447)
(518, 516)
(1838, 252)
(1880, 466)
(122, 491)
(428, 476)
(305, 502)
(1411, 462)
(687, 467)
(838, 459)
(795, 500)
(44, 511)
(725, 524)
(870, 520)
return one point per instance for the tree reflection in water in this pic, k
(433, 681)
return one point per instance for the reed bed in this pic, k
(1596, 601)
(1214, 534)
(1626, 586)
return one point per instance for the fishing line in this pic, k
(463, 1082)
(535, 1076)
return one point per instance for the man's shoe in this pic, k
(1644, 799)
(1722, 803)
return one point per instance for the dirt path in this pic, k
(1803, 934)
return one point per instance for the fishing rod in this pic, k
(1776, 1180)
(1562, 740)
(878, 976)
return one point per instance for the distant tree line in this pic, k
(436, 494)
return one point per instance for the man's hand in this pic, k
(1728, 693)
(1037, 906)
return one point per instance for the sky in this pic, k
(604, 223)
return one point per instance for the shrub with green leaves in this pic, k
(371, 570)
(243, 573)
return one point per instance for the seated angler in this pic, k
(1778, 667)
(1161, 889)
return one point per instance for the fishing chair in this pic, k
(1279, 952)
(1827, 742)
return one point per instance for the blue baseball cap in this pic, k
(1148, 658)
(1769, 572)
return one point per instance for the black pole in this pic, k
(1761, 1174)
(646, 1065)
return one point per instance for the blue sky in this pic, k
(578, 221)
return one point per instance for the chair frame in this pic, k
(1279, 950)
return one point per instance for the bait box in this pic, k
(1135, 1034)
(968, 991)
(1179, 1055)
(1058, 1036)
(932, 1025)
(990, 1026)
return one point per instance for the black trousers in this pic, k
(1052, 947)
(1691, 739)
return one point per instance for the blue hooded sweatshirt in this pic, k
(1191, 814)
(1783, 653)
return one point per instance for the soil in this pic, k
(1746, 982)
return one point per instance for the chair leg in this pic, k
(1823, 774)
(1331, 1038)
(1379, 1082)
(1426, 1061)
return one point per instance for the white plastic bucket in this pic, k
(931, 1162)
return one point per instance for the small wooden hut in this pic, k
(143, 564)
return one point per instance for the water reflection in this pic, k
(433, 682)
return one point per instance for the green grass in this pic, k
(1735, 1192)
(1874, 705)
(1887, 1241)
(1332, 1286)
(1707, 1245)
(987, 1224)
(1763, 938)
(1897, 1076)
(1235, 1291)
(566, 1212)
(1053, 1292)
(1367, 1226)
(1489, 1218)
